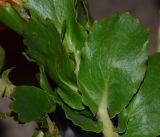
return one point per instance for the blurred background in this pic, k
(146, 10)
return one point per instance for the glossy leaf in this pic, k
(31, 103)
(113, 62)
(73, 99)
(44, 82)
(44, 45)
(81, 118)
(59, 11)
(143, 112)
(122, 121)
(10, 17)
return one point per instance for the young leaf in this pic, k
(143, 112)
(113, 63)
(31, 103)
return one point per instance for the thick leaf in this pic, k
(81, 118)
(56, 10)
(113, 62)
(59, 11)
(44, 46)
(31, 103)
(71, 98)
(2, 57)
(122, 121)
(144, 112)
(10, 17)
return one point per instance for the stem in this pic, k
(105, 119)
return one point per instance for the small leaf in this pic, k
(143, 112)
(113, 61)
(31, 103)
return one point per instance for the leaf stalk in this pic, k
(103, 117)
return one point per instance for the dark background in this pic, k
(24, 73)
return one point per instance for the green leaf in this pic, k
(10, 17)
(72, 99)
(31, 103)
(122, 121)
(60, 11)
(44, 46)
(81, 118)
(55, 10)
(113, 62)
(2, 57)
(44, 82)
(143, 112)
